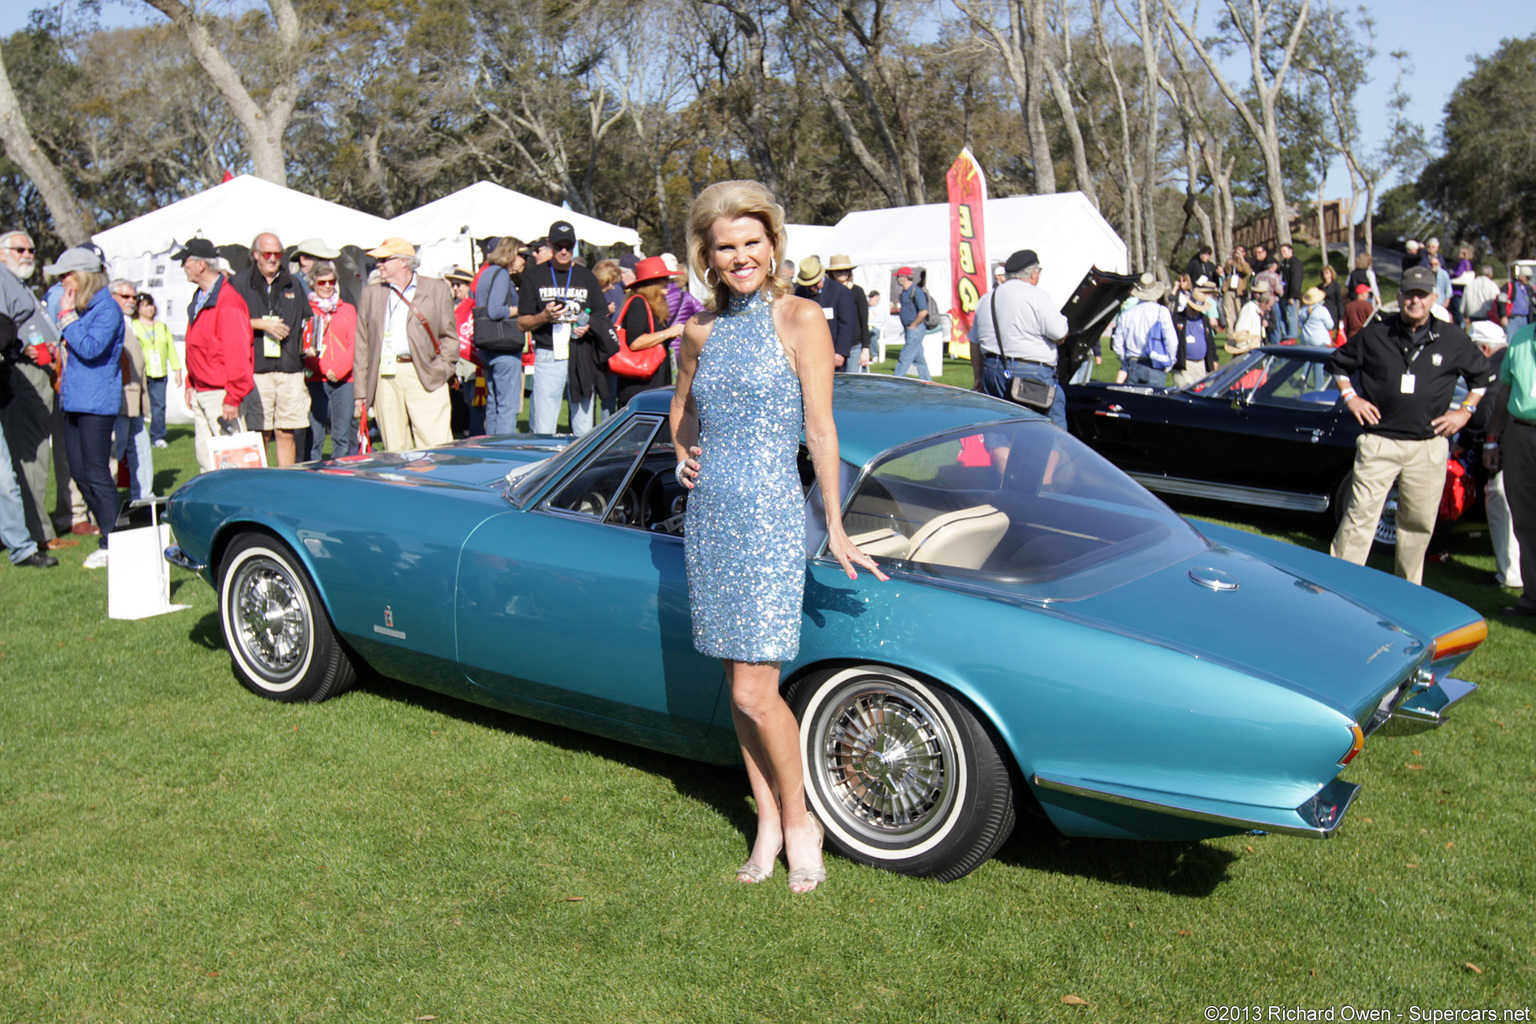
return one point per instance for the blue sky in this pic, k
(1440, 37)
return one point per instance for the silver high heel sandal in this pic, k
(813, 876)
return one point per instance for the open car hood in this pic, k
(1090, 309)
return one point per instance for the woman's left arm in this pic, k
(809, 344)
(655, 338)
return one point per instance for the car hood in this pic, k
(1235, 608)
(479, 463)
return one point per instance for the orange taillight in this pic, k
(1356, 742)
(1460, 641)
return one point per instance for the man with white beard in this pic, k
(27, 389)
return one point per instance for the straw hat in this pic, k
(840, 262)
(1312, 296)
(810, 273)
(1148, 288)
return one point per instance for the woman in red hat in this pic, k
(642, 321)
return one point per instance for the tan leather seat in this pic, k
(963, 538)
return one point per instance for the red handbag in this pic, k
(626, 362)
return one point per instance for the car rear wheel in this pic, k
(902, 773)
(279, 638)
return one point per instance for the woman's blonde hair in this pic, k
(1363, 261)
(607, 273)
(1329, 274)
(505, 253)
(87, 284)
(729, 200)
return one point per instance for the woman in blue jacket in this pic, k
(91, 391)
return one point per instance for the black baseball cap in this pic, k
(1418, 279)
(199, 248)
(561, 231)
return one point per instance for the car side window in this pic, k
(1298, 384)
(630, 481)
(597, 486)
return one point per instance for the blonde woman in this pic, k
(753, 369)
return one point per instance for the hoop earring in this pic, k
(716, 282)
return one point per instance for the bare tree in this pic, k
(751, 20)
(264, 125)
(848, 42)
(1257, 23)
(1124, 158)
(72, 219)
(1023, 50)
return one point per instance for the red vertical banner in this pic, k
(967, 248)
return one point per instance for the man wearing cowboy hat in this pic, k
(1252, 320)
(836, 301)
(1194, 322)
(1315, 326)
(1145, 338)
(841, 269)
(407, 345)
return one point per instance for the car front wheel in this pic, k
(902, 773)
(279, 637)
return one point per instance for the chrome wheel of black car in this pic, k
(903, 774)
(280, 641)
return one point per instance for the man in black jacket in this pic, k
(279, 307)
(1290, 276)
(812, 282)
(841, 269)
(1398, 377)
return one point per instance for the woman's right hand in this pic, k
(688, 469)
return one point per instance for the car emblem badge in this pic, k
(1213, 579)
(389, 616)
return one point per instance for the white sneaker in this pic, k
(96, 559)
(161, 443)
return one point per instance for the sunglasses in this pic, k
(21, 248)
(125, 295)
(270, 255)
(564, 246)
(328, 280)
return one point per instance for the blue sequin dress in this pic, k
(745, 530)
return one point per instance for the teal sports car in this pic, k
(1052, 637)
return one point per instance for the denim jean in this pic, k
(1137, 372)
(331, 410)
(130, 439)
(912, 353)
(156, 388)
(549, 387)
(1288, 316)
(88, 439)
(851, 365)
(18, 542)
(995, 383)
(1516, 321)
(503, 392)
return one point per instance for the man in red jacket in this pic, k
(220, 360)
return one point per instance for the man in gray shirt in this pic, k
(1028, 328)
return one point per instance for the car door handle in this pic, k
(1316, 432)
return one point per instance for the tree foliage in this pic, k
(1485, 183)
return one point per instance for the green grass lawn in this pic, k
(175, 849)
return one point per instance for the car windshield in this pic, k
(1017, 500)
(1272, 378)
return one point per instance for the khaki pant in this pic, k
(206, 408)
(409, 415)
(1418, 469)
(1194, 369)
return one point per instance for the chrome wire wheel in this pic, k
(280, 640)
(272, 618)
(903, 774)
(886, 760)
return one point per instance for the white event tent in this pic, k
(231, 213)
(804, 240)
(445, 229)
(1065, 229)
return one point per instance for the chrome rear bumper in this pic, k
(1430, 705)
(176, 556)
